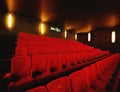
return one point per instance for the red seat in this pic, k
(48, 55)
(39, 64)
(20, 74)
(62, 61)
(52, 65)
(69, 59)
(59, 85)
(21, 65)
(78, 82)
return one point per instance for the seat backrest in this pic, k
(59, 85)
(20, 66)
(78, 82)
(39, 63)
(52, 62)
(62, 61)
(90, 76)
(20, 50)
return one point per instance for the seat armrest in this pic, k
(35, 73)
(5, 81)
(7, 77)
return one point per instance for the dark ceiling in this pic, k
(82, 15)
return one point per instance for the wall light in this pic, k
(65, 34)
(89, 37)
(10, 21)
(42, 28)
(113, 36)
(76, 36)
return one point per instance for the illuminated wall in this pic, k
(101, 38)
(24, 24)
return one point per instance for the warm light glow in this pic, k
(112, 20)
(113, 37)
(76, 36)
(11, 4)
(10, 21)
(42, 28)
(44, 17)
(65, 34)
(85, 29)
(89, 37)
(47, 10)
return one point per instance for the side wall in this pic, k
(101, 38)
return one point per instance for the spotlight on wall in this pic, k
(113, 36)
(89, 37)
(10, 21)
(42, 28)
(76, 36)
(65, 34)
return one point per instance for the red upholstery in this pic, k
(78, 81)
(59, 85)
(38, 89)
(20, 74)
(69, 59)
(20, 66)
(52, 62)
(62, 61)
(39, 63)
(51, 54)
(21, 50)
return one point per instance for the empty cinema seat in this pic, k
(78, 81)
(20, 66)
(52, 63)
(20, 75)
(39, 63)
(105, 69)
(95, 77)
(59, 85)
(89, 78)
